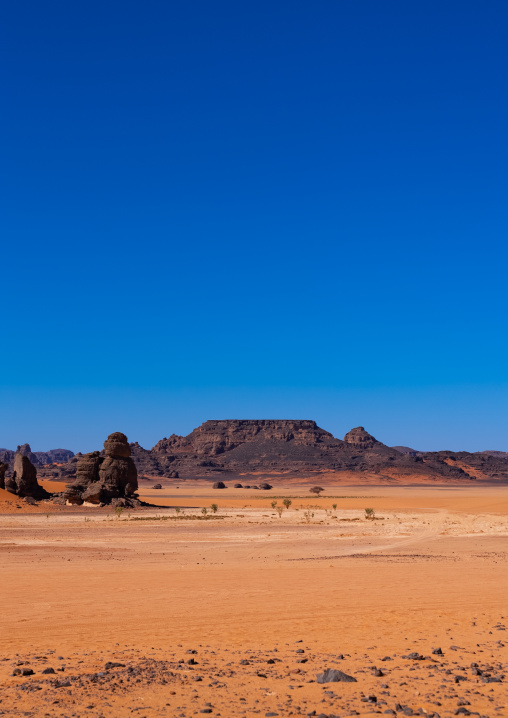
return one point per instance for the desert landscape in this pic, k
(232, 602)
(253, 366)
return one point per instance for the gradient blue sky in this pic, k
(254, 210)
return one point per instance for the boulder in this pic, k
(96, 493)
(157, 486)
(332, 675)
(72, 495)
(219, 485)
(265, 487)
(238, 486)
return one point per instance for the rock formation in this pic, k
(53, 456)
(37, 458)
(3, 469)
(112, 478)
(25, 450)
(23, 481)
(361, 438)
(231, 449)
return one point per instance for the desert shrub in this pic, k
(214, 508)
(287, 503)
(369, 513)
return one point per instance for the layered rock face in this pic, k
(239, 446)
(216, 437)
(293, 446)
(23, 481)
(112, 478)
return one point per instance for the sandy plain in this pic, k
(266, 603)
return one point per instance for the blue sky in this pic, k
(254, 210)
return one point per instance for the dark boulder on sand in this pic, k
(332, 675)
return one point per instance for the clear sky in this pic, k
(254, 210)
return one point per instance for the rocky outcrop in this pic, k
(23, 481)
(361, 438)
(406, 450)
(232, 449)
(53, 456)
(87, 474)
(25, 450)
(105, 479)
(217, 437)
(7, 457)
(3, 469)
(118, 471)
(37, 458)
(239, 447)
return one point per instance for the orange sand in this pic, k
(94, 587)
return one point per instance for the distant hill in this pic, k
(38, 458)
(231, 448)
(406, 450)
